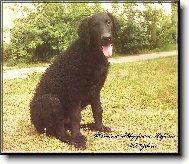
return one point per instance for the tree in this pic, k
(50, 28)
(47, 31)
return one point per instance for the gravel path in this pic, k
(142, 57)
(24, 72)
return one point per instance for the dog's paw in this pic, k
(79, 142)
(102, 128)
(95, 127)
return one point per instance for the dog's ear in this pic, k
(83, 31)
(115, 23)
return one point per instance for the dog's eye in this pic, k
(108, 22)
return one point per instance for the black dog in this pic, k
(74, 80)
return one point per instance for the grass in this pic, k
(138, 97)
(168, 47)
(165, 48)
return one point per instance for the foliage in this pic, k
(50, 28)
(47, 30)
(6, 51)
(146, 29)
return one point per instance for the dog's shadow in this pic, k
(89, 126)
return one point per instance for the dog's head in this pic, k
(98, 31)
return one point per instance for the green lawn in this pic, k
(138, 97)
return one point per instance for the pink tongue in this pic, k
(107, 50)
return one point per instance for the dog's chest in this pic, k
(100, 74)
(96, 77)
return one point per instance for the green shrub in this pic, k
(51, 28)
(6, 51)
(47, 31)
(146, 29)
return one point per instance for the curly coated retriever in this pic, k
(74, 80)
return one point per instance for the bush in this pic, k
(132, 39)
(144, 30)
(47, 31)
(51, 27)
(6, 51)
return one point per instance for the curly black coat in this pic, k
(73, 81)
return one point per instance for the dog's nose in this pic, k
(106, 39)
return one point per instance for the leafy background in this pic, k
(51, 27)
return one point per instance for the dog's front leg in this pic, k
(97, 114)
(78, 140)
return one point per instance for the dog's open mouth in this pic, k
(107, 50)
(106, 46)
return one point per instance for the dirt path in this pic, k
(24, 72)
(142, 57)
(21, 73)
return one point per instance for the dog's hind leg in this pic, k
(48, 117)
